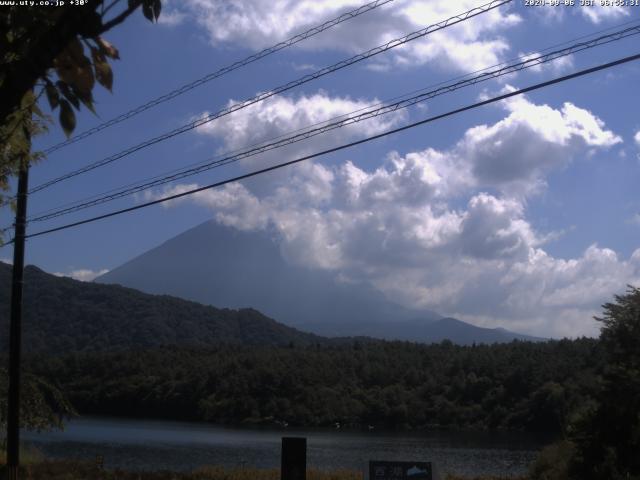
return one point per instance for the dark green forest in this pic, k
(109, 350)
(521, 385)
(65, 315)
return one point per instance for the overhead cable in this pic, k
(342, 147)
(343, 121)
(283, 88)
(219, 73)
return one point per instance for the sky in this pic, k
(522, 214)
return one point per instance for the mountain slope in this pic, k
(417, 330)
(64, 315)
(222, 266)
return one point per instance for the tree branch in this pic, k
(120, 18)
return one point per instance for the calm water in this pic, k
(156, 445)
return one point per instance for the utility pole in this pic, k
(15, 328)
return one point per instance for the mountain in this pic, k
(62, 315)
(416, 330)
(223, 266)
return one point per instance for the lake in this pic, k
(157, 445)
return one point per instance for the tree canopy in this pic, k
(607, 437)
(59, 53)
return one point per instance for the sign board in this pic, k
(400, 470)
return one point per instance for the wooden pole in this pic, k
(294, 458)
(15, 328)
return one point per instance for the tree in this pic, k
(60, 53)
(607, 437)
(44, 405)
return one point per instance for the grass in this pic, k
(39, 469)
(28, 456)
(75, 470)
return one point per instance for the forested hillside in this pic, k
(65, 315)
(521, 385)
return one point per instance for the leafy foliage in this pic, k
(117, 351)
(607, 436)
(45, 49)
(44, 406)
(15, 147)
(385, 384)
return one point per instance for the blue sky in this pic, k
(522, 214)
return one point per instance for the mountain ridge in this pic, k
(66, 315)
(223, 266)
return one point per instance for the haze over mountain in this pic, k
(226, 267)
(62, 315)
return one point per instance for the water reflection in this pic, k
(156, 445)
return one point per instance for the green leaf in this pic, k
(52, 95)
(69, 95)
(86, 98)
(104, 75)
(107, 49)
(83, 78)
(27, 100)
(75, 50)
(73, 67)
(67, 118)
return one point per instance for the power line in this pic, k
(283, 88)
(222, 71)
(350, 119)
(591, 36)
(345, 146)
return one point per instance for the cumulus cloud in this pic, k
(172, 15)
(637, 138)
(473, 44)
(516, 153)
(279, 115)
(82, 274)
(513, 155)
(441, 229)
(484, 263)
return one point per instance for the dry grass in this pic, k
(35, 468)
(74, 470)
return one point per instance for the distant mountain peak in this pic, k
(222, 266)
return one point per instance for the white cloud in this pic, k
(423, 228)
(635, 219)
(472, 44)
(304, 67)
(484, 263)
(598, 13)
(637, 138)
(516, 153)
(513, 155)
(82, 274)
(7, 260)
(171, 14)
(556, 66)
(278, 115)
